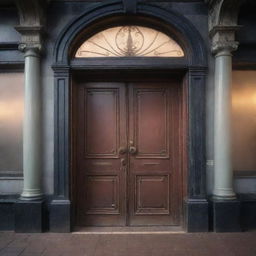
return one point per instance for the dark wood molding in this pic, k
(244, 65)
(129, 63)
(9, 46)
(11, 66)
(11, 175)
(245, 174)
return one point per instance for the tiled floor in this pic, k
(128, 244)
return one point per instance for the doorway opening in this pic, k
(129, 57)
(129, 151)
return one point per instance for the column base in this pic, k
(225, 215)
(197, 215)
(224, 194)
(31, 194)
(60, 216)
(29, 216)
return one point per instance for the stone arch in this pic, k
(229, 13)
(223, 12)
(183, 30)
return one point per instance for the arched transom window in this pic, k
(129, 41)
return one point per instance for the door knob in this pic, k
(123, 162)
(123, 165)
(122, 150)
(132, 150)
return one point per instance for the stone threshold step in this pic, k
(130, 230)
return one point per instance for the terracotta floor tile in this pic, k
(204, 244)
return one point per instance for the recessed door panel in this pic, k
(102, 195)
(151, 122)
(152, 194)
(101, 122)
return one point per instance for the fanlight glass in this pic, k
(129, 41)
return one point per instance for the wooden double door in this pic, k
(128, 154)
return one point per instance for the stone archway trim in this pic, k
(196, 67)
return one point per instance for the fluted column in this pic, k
(223, 171)
(32, 126)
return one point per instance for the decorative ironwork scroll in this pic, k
(129, 41)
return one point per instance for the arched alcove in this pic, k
(111, 14)
(192, 66)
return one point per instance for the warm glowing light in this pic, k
(127, 41)
(11, 119)
(11, 111)
(244, 96)
(244, 120)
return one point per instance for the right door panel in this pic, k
(154, 153)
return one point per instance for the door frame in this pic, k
(146, 76)
(194, 70)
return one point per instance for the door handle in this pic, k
(122, 150)
(132, 150)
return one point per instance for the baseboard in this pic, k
(197, 215)
(29, 216)
(60, 216)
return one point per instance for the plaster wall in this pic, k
(9, 19)
(59, 15)
(12, 135)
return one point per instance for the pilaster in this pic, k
(60, 208)
(196, 205)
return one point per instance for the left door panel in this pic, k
(101, 136)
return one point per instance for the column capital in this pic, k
(224, 48)
(31, 38)
(30, 50)
(223, 40)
